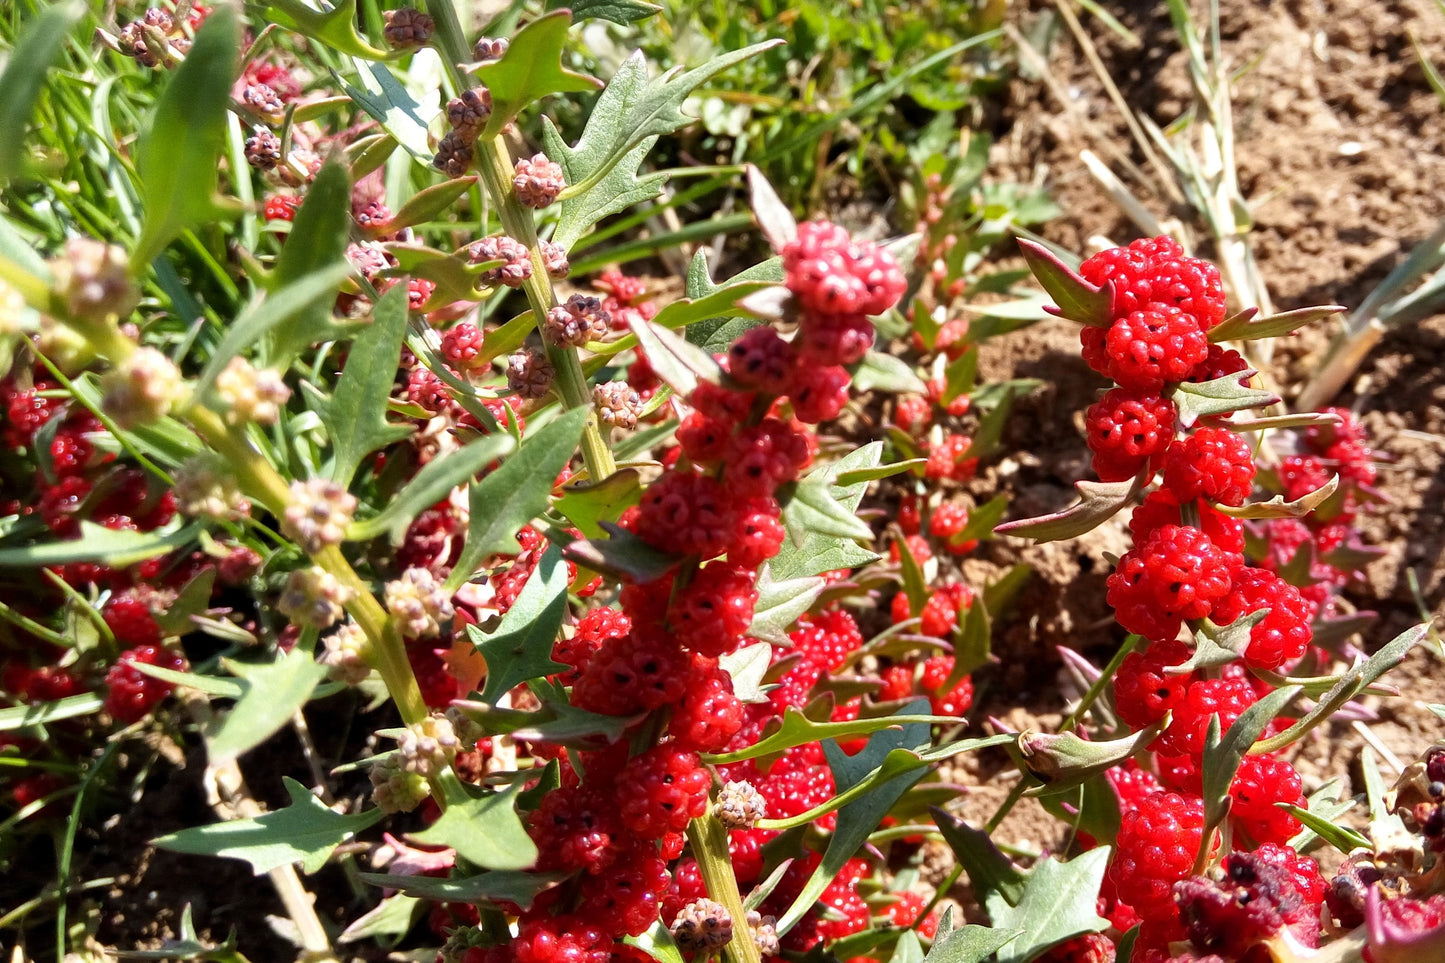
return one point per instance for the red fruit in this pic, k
(1227, 698)
(948, 522)
(708, 715)
(560, 939)
(945, 460)
(625, 900)
(438, 686)
(642, 672)
(593, 629)
(1157, 270)
(1219, 363)
(897, 683)
(574, 829)
(1155, 345)
(1162, 508)
(761, 360)
(827, 638)
(1260, 783)
(1302, 474)
(1212, 463)
(829, 274)
(1131, 784)
(1127, 430)
(1174, 575)
(945, 702)
(685, 513)
(758, 534)
(1156, 847)
(132, 694)
(818, 393)
(1089, 948)
(130, 620)
(462, 347)
(282, 207)
(1284, 634)
(833, 339)
(918, 547)
(1144, 690)
(713, 612)
(761, 457)
(911, 413)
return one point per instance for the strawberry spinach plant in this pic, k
(309, 402)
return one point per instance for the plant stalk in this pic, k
(495, 164)
(710, 847)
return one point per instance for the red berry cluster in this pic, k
(617, 820)
(1188, 568)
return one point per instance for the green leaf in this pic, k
(715, 334)
(861, 816)
(678, 362)
(965, 944)
(1244, 327)
(617, 11)
(190, 946)
(392, 106)
(774, 218)
(355, 413)
(521, 647)
(1222, 396)
(210, 684)
(915, 583)
(886, 372)
(908, 949)
(622, 554)
(305, 832)
(657, 942)
(1320, 819)
(25, 717)
(1277, 507)
(629, 115)
(393, 917)
(588, 504)
(178, 155)
(1092, 807)
(511, 886)
(270, 697)
(317, 242)
(485, 831)
(961, 375)
(820, 520)
(24, 75)
(425, 205)
(516, 492)
(990, 872)
(1352, 682)
(1222, 756)
(116, 548)
(747, 666)
(797, 729)
(334, 27)
(1077, 299)
(1098, 502)
(430, 485)
(557, 722)
(531, 69)
(1058, 903)
(780, 603)
(303, 296)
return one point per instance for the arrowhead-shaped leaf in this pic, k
(531, 69)
(305, 832)
(1058, 902)
(1077, 299)
(521, 647)
(780, 603)
(1244, 326)
(820, 521)
(1098, 502)
(1222, 396)
(485, 831)
(271, 695)
(355, 414)
(515, 492)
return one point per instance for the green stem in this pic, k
(1105, 677)
(495, 165)
(710, 848)
(260, 481)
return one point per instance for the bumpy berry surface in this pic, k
(1176, 574)
(713, 612)
(1143, 690)
(1260, 783)
(661, 790)
(1162, 508)
(1204, 698)
(131, 693)
(1155, 345)
(1284, 634)
(1212, 463)
(1127, 430)
(1156, 847)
